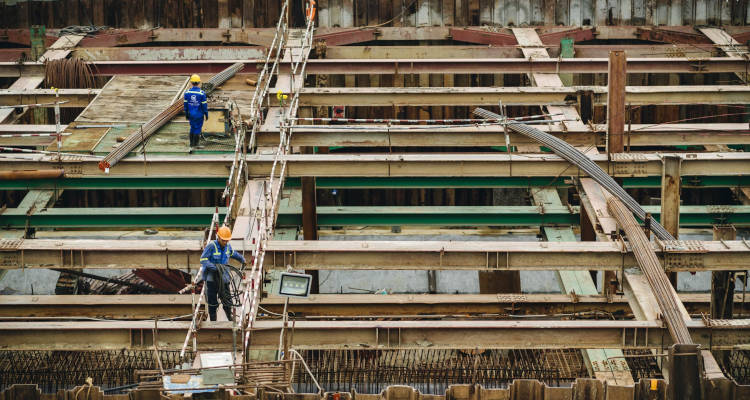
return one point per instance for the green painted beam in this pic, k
(494, 216)
(351, 216)
(508, 182)
(116, 183)
(357, 183)
(177, 217)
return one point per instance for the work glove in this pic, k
(205, 116)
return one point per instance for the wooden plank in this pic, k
(335, 12)
(385, 11)
(701, 12)
(423, 12)
(436, 17)
(524, 13)
(347, 13)
(575, 13)
(473, 13)
(485, 12)
(360, 12)
(512, 13)
(449, 12)
(461, 13)
(248, 13)
(373, 10)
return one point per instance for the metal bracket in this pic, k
(682, 254)
(629, 164)
(720, 213)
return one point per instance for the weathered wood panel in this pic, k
(143, 14)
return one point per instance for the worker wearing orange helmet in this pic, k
(218, 251)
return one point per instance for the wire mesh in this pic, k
(738, 366)
(63, 370)
(431, 371)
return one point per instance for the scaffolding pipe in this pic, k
(571, 154)
(652, 269)
(142, 133)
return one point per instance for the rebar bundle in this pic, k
(68, 73)
(141, 134)
(644, 253)
(570, 153)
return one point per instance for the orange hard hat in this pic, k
(224, 233)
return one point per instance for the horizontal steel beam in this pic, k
(104, 183)
(493, 215)
(332, 305)
(520, 66)
(109, 217)
(373, 255)
(88, 335)
(158, 62)
(386, 165)
(475, 165)
(572, 256)
(521, 96)
(688, 182)
(514, 51)
(171, 53)
(371, 135)
(263, 36)
(73, 97)
(167, 183)
(16, 218)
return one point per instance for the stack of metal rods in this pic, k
(570, 153)
(139, 135)
(657, 279)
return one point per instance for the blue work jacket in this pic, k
(195, 103)
(214, 254)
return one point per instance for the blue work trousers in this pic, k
(212, 297)
(196, 125)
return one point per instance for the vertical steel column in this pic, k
(670, 200)
(686, 365)
(616, 78)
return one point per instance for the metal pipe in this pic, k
(31, 174)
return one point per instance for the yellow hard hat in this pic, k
(224, 233)
(195, 78)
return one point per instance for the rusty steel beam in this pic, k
(72, 97)
(125, 61)
(499, 334)
(336, 305)
(176, 53)
(522, 96)
(408, 165)
(354, 255)
(481, 136)
(369, 255)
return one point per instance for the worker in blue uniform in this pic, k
(195, 105)
(216, 278)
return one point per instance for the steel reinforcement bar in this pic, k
(651, 267)
(571, 154)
